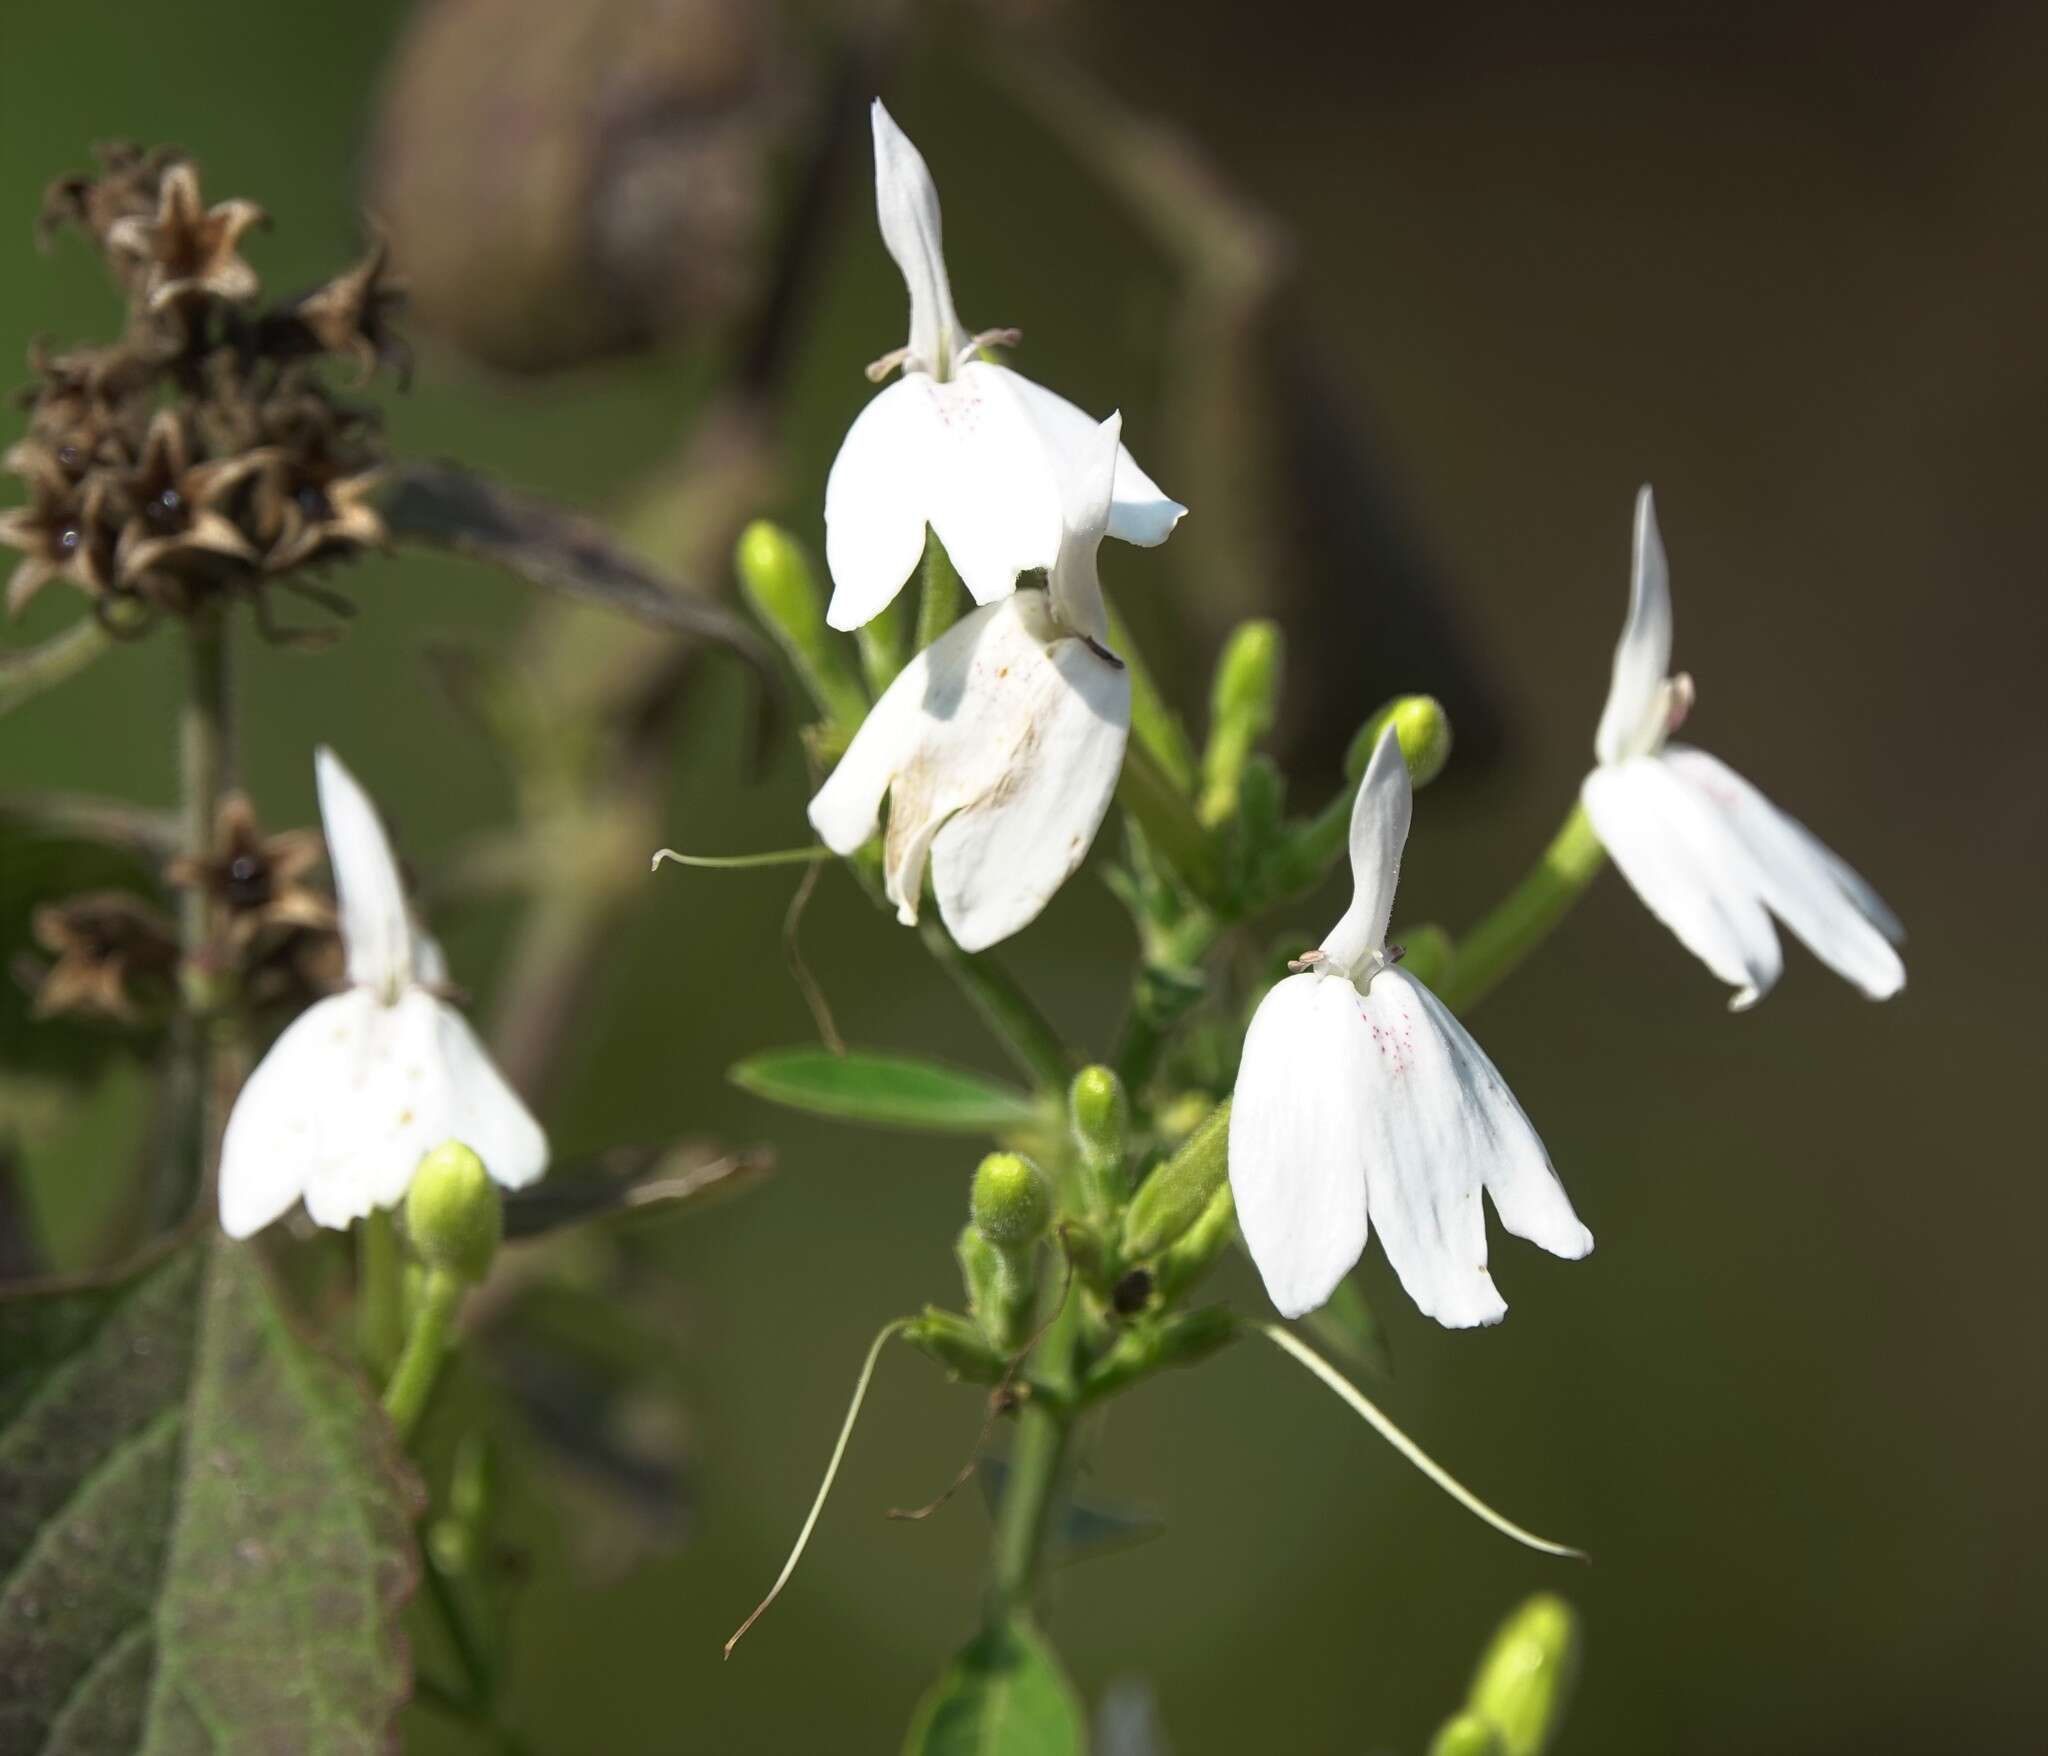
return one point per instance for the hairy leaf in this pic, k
(1003, 1695)
(896, 1091)
(205, 1539)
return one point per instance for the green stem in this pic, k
(1004, 1007)
(405, 1397)
(1526, 917)
(380, 1291)
(1155, 725)
(25, 675)
(1037, 1472)
(212, 1037)
(938, 603)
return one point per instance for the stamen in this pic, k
(1306, 961)
(988, 338)
(877, 370)
(1289, 1343)
(803, 1537)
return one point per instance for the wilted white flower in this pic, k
(1361, 1098)
(956, 443)
(363, 1084)
(1710, 856)
(998, 746)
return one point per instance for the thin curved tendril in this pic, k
(734, 862)
(1288, 1343)
(803, 1537)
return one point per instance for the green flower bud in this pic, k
(1525, 1679)
(1426, 952)
(1173, 1197)
(776, 578)
(1466, 1734)
(1012, 1201)
(453, 1213)
(1425, 732)
(1100, 1113)
(956, 1344)
(1188, 1258)
(1241, 709)
(1001, 1287)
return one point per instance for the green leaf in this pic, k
(205, 1537)
(1348, 1327)
(1003, 1695)
(893, 1090)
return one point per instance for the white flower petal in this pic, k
(482, 1110)
(1005, 727)
(1087, 480)
(998, 861)
(1379, 831)
(1838, 916)
(1642, 659)
(1689, 870)
(995, 497)
(376, 928)
(351, 1097)
(1299, 1125)
(877, 498)
(907, 204)
(1439, 1126)
(1139, 512)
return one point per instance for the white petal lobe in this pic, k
(376, 928)
(907, 205)
(1299, 1128)
(1139, 512)
(1642, 659)
(1380, 817)
(1832, 910)
(1689, 870)
(876, 500)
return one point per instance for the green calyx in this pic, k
(1173, 1198)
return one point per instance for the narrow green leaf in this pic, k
(896, 1091)
(205, 1538)
(1003, 1695)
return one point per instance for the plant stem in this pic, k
(209, 1039)
(1525, 918)
(1155, 726)
(405, 1397)
(938, 602)
(380, 1291)
(1168, 820)
(1004, 1007)
(1037, 1473)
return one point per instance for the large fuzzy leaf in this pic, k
(205, 1536)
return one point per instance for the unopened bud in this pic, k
(778, 582)
(1173, 1196)
(1002, 1287)
(453, 1212)
(1466, 1734)
(1100, 1114)
(1241, 710)
(1425, 733)
(1190, 1255)
(956, 1344)
(1525, 1679)
(1012, 1203)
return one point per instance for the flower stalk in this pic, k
(433, 1325)
(1528, 914)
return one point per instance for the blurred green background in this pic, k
(1787, 264)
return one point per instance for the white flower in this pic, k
(1361, 1095)
(363, 1084)
(955, 443)
(998, 746)
(1710, 856)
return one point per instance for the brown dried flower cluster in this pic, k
(203, 454)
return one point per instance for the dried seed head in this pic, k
(112, 953)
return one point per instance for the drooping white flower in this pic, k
(363, 1084)
(956, 443)
(998, 746)
(1710, 856)
(1360, 1098)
